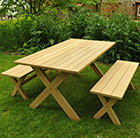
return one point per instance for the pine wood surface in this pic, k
(117, 79)
(18, 71)
(71, 56)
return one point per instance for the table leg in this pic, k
(96, 69)
(107, 107)
(51, 88)
(131, 86)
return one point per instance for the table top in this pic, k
(71, 56)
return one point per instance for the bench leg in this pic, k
(107, 107)
(18, 87)
(96, 70)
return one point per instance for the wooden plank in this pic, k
(108, 89)
(49, 53)
(44, 52)
(91, 57)
(63, 57)
(116, 80)
(73, 57)
(18, 71)
(11, 70)
(70, 54)
(55, 54)
(106, 78)
(66, 66)
(22, 72)
(81, 57)
(123, 84)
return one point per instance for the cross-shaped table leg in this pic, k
(131, 86)
(107, 107)
(51, 88)
(96, 70)
(18, 87)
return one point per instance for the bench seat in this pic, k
(114, 85)
(18, 75)
(18, 71)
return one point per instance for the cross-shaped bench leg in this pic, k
(18, 87)
(107, 107)
(51, 88)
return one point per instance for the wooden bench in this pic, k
(114, 85)
(18, 75)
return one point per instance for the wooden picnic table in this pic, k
(69, 57)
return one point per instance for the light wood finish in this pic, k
(51, 88)
(114, 85)
(18, 75)
(107, 107)
(49, 71)
(18, 71)
(116, 80)
(131, 87)
(18, 87)
(67, 58)
(71, 56)
(96, 70)
(29, 79)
